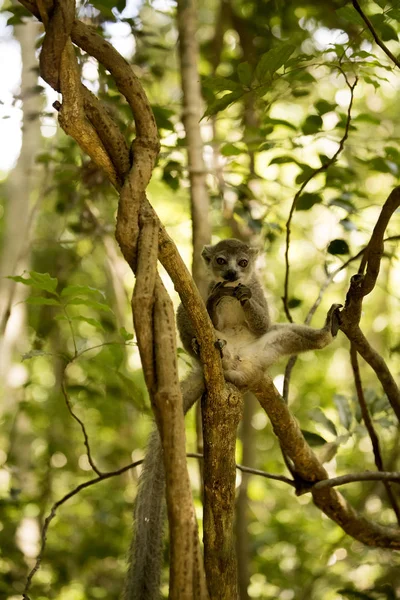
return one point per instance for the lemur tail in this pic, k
(143, 577)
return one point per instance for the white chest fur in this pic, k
(230, 314)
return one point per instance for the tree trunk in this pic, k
(21, 186)
(192, 112)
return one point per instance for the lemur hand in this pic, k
(217, 293)
(242, 293)
(333, 319)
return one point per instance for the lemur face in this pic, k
(230, 260)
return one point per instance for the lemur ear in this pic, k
(207, 254)
(254, 252)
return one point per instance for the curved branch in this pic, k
(310, 470)
(360, 286)
(371, 429)
(52, 514)
(316, 172)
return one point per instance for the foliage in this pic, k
(277, 110)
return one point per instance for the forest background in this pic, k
(300, 122)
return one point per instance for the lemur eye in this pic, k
(243, 263)
(221, 261)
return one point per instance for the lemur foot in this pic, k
(219, 344)
(242, 293)
(333, 320)
(195, 346)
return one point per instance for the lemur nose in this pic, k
(230, 275)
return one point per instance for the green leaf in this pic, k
(323, 107)
(306, 173)
(42, 281)
(300, 92)
(350, 15)
(230, 150)
(81, 290)
(294, 302)
(245, 73)
(222, 84)
(282, 122)
(320, 417)
(41, 301)
(117, 352)
(281, 160)
(313, 439)
(272, 60)
(162, 116)
(367, 118)
(307, 200)
(105, 8)
(89, 304)
(394, 14)
(125, 334)
(343, 407)
(392, 153)
(93, 322)
(312, 124)
(222, 103)
(338, 247)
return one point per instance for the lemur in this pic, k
(239, 312)
(249, 344)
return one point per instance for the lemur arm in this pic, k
(186, 331)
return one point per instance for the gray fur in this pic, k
(145, 560)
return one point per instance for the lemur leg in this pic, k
(293, 339)
(242, 372)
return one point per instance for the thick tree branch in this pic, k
(360, 286)
(309, 470)
(220, 422)
(156, 328)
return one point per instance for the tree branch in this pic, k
(309, 470)
(360, 286)
(370, 428)
(377, 39)
(52, 514)
(383, 476)
(314, 173)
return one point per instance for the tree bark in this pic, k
(21, 186)
(192, 112)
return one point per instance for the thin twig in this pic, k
(370, 428)
(354, 477)
(377, 39)
(251, 470)
(322, 168)
(53, 511)
(82, 426)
